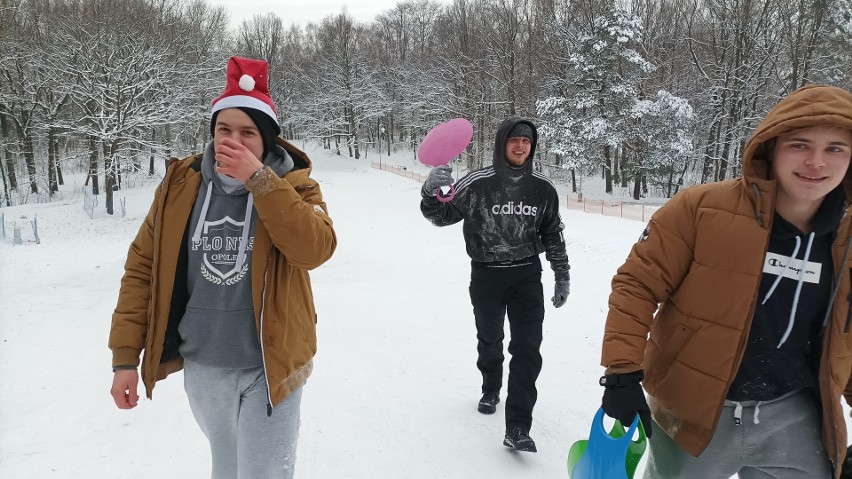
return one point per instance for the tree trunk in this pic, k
(353, 134)
(10, 162)
(52, 180)
(670, 181)
(573, 181)
(707, 169)
(637, 187)
(29, 158)
(608, 169)
(723, 161)
(680, 179)
(59, 177)
(389, 133)
(7, 196)
(93, 165)
(167, 140)
(109, 175)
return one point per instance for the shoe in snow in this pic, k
(518, 439)
(488, 403)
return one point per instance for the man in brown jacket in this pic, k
(732, 309)
(216, 282)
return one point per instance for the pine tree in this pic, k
(593, 118)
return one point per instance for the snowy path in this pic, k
(395, 385)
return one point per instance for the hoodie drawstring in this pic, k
(738, 412)
(801, 281)
(196, 236)
(241, 255)
(781, 274)
(800, 277)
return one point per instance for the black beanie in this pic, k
(521, 129)
(267, 128)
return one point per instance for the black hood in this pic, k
(500, 165)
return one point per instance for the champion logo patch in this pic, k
(777, 264)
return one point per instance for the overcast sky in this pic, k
(304, 11)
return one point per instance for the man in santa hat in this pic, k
(216, 283)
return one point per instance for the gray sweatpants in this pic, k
(774, 440)
(230, 407)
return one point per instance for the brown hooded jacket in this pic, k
(294, 234)
(700, 260)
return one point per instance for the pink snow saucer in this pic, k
(442, 144)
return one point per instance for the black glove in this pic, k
(438, 177)
(624, 398)
(560, 293)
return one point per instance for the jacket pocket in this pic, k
(665, 347)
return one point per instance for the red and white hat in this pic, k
(247, 85)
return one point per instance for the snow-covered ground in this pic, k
(395, 386)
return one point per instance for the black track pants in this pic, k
(516, 291)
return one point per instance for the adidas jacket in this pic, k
(509, 213)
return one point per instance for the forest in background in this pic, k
(650, 95)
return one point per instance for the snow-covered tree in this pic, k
(126, 82)
(341, 94)
(592, 118)
(663, 145)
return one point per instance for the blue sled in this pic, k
(612, 455)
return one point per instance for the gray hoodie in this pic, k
(218, 328)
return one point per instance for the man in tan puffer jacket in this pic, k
(217, 284)
(732, 309)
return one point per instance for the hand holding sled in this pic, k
(612, 455)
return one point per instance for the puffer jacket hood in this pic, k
(808, 106)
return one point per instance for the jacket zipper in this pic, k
(155, 261)
(835, 462)
(849, 309)
(262, 350)
(747, 329)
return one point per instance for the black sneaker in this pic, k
(488, 403)
(518, 439)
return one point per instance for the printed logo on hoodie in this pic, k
(791, 268)
(220, 242)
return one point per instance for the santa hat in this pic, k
(247, 85)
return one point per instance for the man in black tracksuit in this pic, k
(511, 216)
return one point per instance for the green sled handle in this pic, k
(612, 455)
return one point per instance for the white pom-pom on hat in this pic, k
(247, 83)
